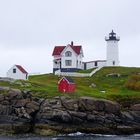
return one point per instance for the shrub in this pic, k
(133, 82)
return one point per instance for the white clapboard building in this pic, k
(67, 58)
(70, 58)
(17, 72)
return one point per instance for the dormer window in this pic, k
(68, 54)
(14, 70)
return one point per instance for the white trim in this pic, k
(64, 50)
(65, 79)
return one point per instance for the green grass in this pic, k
(86, 71)
(45, 86)
(114, 87)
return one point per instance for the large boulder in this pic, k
(111, 107)
(22, 102)
(90, 104)
(135, 107)
(14, 94)
(87, 104)
(80, 115)
(1, 97)
(127, 117)
(70, 104)
(5, 109)
(32, 105)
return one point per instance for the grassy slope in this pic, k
(114, 86)
(46, 85)
(86, 71)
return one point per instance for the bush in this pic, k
(133, 82)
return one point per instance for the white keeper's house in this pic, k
(17, 72)
(70, 58)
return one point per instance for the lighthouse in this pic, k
(112, 49)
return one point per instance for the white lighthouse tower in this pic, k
(112, 49)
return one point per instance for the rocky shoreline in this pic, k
(22, 113)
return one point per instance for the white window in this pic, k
(68, 62)
(68, 54)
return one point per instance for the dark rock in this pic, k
(99, 105)
(111, 107)
(126, 116)
(1, 97)
(21, 112)
(90, 104)
(135, 107)
(70, 104)
(30, 111)
(66, 117)
(110, 117)
(5, 102)
(100, 119)
(22, 102)
(63, 114)
(14, 94)
(77, 120)
(87, 104)
(80, 115)
(5, 109)
(32, 105)
(60, 116)
(125, 129)
(136, 115)
(91, 118)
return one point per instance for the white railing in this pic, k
(94, 71)
(76, 74)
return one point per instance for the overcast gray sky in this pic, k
(29, 30)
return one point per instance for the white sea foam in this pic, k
(90, 134)
(102, 135)
(137, 135)
(76, 134)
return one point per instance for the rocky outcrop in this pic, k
(22, 113)
(86, 114)
(6, 79)
(16, 112)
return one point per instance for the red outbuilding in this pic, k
(66, 85)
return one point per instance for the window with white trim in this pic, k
(68, 62)
(68, 54)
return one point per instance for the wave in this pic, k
(90, 134)
(136, 135)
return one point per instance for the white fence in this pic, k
(76, 74)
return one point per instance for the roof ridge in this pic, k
(21, 69)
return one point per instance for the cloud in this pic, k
(29, 29)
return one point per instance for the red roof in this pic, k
(76, 49)
(21, 69)
(58, 49)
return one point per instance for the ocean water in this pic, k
(74, 136)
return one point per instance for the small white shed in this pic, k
(17, 72)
